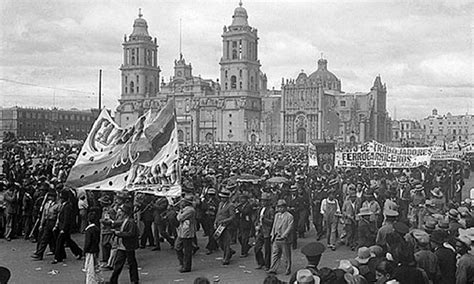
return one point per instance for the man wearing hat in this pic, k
(454, 225)
(106, 232)
(373, 205)
(313, 252)
(446, 257)
(365, 230)
(209, 207)
(186, 233)
(263, 228)
(349, 213)
(281, 238)
(425, 259)
(127, 245)
(224, 217)
(245, 212)
(390, 217)
(465, 264)
(403, 192)
(330, 210)
(160, 222)
(12, 203)
(64, 227)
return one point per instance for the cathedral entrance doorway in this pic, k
(253, 138)
(301, 135)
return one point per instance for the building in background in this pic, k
(315, 108)
(408, 133)
(271, 117)
(38, 123)
(207, 111)
(448, 127)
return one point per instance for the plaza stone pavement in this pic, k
(161, 266)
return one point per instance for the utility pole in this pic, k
(100, 89)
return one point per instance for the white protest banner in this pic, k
(377, 155)
(312, 155)
(143, 157)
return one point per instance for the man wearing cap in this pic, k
(224, 217)
(390, 217)
(263, 228)
(127, 245)
(330, 210)
(186, 233)
(280, 236)
(446, 257)
(313, 252)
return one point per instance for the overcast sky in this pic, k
(423, 50)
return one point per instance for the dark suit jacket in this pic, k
(92, 239)
(129, 235)
(245, 216)
(66, 217)
(267, 221)
(225, 213)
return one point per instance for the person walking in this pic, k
(127, 245)
(186, 233)
(91, 248)
(263, 228)
(330, 210)
(64, 226)
(281, 238)
(224, 218)
(49, 215)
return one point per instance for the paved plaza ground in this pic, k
(158, 267)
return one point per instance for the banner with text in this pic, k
(376, 155)
(143, 157)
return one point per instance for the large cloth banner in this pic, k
(143, 157)
(377, 155)
(312, 155)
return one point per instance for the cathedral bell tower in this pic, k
(240, 67)
(140, 72)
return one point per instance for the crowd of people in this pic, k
(404, 225)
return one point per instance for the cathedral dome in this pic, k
(240, 16)
(328, 79)
(140, 26)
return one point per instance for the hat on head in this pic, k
(466, 236)
(438, 236)
(403, 180)
(231, 185)
(105, 200)
(429, 225)
(463, 211)
(347, 266)
(429, 203)
(293, 188)
(304, 276)
(453, 214)
(127, 208)
(363, 255)
(420, 236)
(436, 192)
(313, 249)
(352, 193)
(266, 196)
(419, 187)
(188, 199)
(391, 213)
(443, 224)
(401, 228)
(211, 191)
(368, 193)
(52, 193)
(376, 251)
(281, 202)
(224, 193)
(364, 211)
(333, 182)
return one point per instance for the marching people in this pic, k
(186, 233)
(349, 214)
(331, 211)
(127, 244)
(210, 205)
(47, 234)
(106, 228)
(244, 214)
(281, 237)
(91, 248)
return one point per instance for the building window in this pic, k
(240, 73)
(240, 85)
(226, 86)
(131, 87)
(440, 123)
(233, 82)
(138, 79)
(226, 73)
(454, 122)
(454, 131)
(343, 103)
(230, 130)
(230, 123)
(138, 90)
(230, 115)
(234, 54)
(234, 44)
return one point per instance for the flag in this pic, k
(143, 157)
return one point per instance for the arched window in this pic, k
(240, 85)
(240, 73)
(233, 82)
(251, 83)
(226, 86)
(131, 87)
(234, 54)
(133, 57)
(150, 88)
(126, 90)
(226, 73)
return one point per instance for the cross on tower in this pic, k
(140, 12)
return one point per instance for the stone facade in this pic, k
(406, 132)
(315, 108)
(447, 128)
(39, 123)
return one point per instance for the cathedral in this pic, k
(238, 107)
